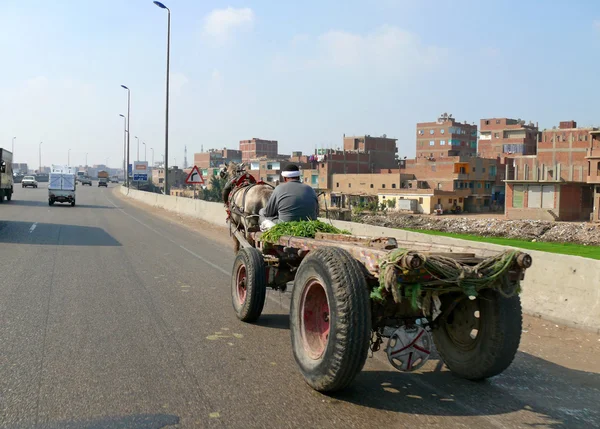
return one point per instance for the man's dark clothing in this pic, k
(292, 201)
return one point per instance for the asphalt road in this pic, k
(113, 317)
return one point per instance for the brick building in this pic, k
(446, 137)
(257, 148)
(503, 136)
(382, 150)
(214, 158)
(593, 178)
(557, 183)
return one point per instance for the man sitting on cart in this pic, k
(290, 201)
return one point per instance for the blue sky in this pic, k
(303, 73)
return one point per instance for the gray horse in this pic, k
(244, 202)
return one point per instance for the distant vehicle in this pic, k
(6, 175)
(114, 179)
(85, 180)
(29, 181)
(103, 179)
(61, 188)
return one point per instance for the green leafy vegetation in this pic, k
(592, 252)
(303, 228)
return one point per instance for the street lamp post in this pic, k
(166, 164)
(152, 149)
(138, 148)
(124, 147)
(41, 157)
(145, 152)
(128, 133)
(13, 147)
(86, 154)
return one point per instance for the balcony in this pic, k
(461, 176)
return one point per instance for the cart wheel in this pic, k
(480, 337)
(248, 284)
(330, 319)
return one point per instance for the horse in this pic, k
(244, 197)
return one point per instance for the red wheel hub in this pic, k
(315, 323)
(241, 283)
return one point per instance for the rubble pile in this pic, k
(531, 230)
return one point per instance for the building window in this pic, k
(580, 138)
(471, 185)
(483, 170)
(496, 135)
(371, 186)
(322, 165)
(450, 200)
(349, 185)
(474, 169)
(442, 131)
(421, 132)
(431, 132)
(394, 185)
(420, 200)
(488, 186)
(479, 186)
(460, 200)
(383, 186)
(431, 142)
(585, 137)
(337, 185)
(497, 121)
(442, 142)
(487, 122)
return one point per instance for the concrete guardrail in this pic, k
(560, 288)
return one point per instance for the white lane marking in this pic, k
(379, 357)
(33, 227)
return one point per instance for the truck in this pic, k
(62, 186)
(6, 175)
(103, 178)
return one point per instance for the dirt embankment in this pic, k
(531, 230)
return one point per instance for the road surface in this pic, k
(114, 316)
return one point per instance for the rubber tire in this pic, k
(497, 340)
(9, 195)
(50, 202)
(72, 203)
(349, 317)
(256, 284)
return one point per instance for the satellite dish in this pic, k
(385, 135)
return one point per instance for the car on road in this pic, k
(85, 181)
(103, 182)
(29, 181)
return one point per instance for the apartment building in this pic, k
(446, 137)
(501, 137)
(214, 158)
(257, 148)
(558, 182)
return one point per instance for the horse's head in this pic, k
(231, 169)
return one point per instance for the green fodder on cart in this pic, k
(302, 228)
(441, 274)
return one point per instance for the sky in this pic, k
(303, 73)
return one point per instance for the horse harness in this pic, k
(244, 183)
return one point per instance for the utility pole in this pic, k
(166, 161)
(40, 157)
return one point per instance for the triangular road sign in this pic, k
(195, 177)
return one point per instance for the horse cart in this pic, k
(351, 294)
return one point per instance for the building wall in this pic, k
(567, 147)
(576, 202)
(382, 150)
(256, 148)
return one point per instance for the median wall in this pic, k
(560, 288)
